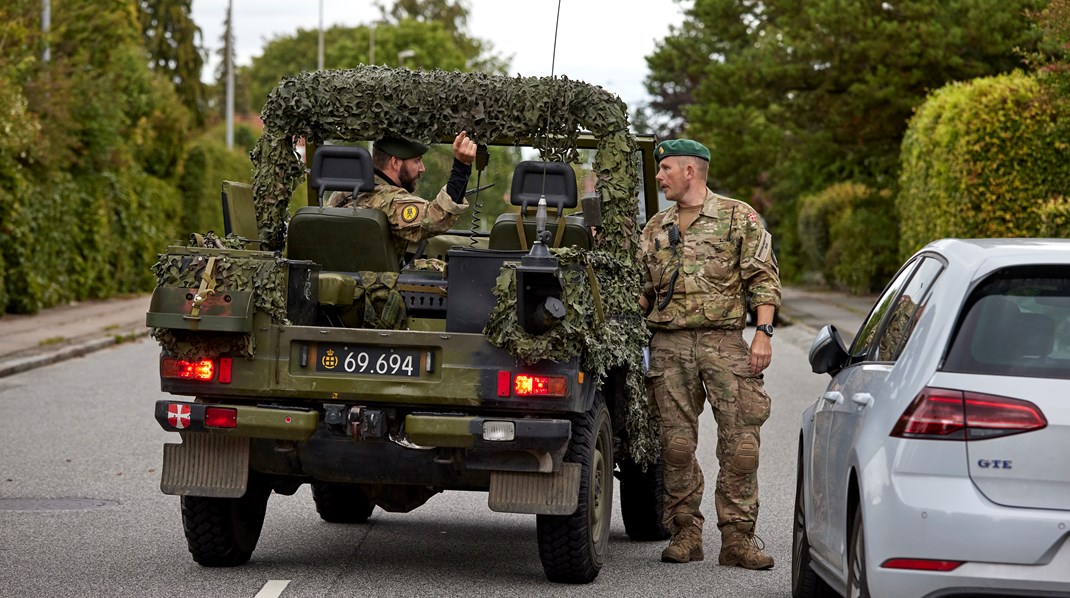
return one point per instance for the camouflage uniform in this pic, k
(412, 218)
(698, 353)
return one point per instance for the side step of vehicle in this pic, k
(206, 465)
(536, 493)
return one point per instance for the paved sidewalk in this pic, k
(64, 332)
(58, 333)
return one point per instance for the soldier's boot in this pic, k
(741, 548)
(686, 543)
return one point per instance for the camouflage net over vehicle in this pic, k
(430, 106)
(617, 341)
(264, 276)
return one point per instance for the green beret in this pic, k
(681, 147)
(400, 148)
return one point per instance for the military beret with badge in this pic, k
(681, 147)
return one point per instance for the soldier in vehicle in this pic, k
(698, 258)
(398, 165)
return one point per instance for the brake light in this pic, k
(527, 385)
(202, 370)
(220, 417)
(921, 564)
(945, 414)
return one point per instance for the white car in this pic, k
(937, 462)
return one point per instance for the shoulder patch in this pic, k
(409, 213)
(765, 247)
(753, 217)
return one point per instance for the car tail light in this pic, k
(527, 385)
(921, 564)
(220, 417)
(945, 414)
(202, 370)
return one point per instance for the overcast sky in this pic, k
(603, 42)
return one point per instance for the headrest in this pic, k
(341, 168)
(555, 180)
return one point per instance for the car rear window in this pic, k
(1016, 323)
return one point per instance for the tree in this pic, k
(172, 40)
(792, 97)
(816, 92)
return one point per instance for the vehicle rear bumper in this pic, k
(1004, 550)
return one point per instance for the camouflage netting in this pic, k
(265, 277)
(428, 106)
(618, 341)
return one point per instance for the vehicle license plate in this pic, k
(361, 360)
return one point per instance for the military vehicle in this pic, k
(302, 351)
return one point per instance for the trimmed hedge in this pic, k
(209, 163)
(848, 234)
(981, 159)
(1055, 217)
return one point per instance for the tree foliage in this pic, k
(793, 96)
(984, 159)
(433, 31)
(173, 41)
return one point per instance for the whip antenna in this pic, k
(541, 211)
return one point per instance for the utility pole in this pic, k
(230, 75)
(319, 60)
(46, 25)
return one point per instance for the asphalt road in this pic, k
(81, 513)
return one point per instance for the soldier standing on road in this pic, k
(699, 257)
(398, 165)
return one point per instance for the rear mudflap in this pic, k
(214, 465)
(536, 493)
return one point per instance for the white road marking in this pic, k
(273, 588)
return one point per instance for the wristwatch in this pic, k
(766, 328)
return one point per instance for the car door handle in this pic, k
(833, 396)
(862, 399)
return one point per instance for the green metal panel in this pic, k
(440, 430)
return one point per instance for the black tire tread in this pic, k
(223, 532)
(642, 501)
(564, 543)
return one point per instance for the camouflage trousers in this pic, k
(688, 368)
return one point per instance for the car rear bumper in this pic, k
(1009, 551)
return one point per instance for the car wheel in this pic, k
(805, 583)
(857, 585)
(573, 547)
(223, 532)
(341, 503)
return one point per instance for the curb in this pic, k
(19, 365)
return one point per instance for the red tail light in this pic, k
(180, 369)
(220, 417)
(921, 564)
(526, 385)
(944, 414)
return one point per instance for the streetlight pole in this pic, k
(319, 59)
(230, 75)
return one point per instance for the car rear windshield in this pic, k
(1016, 323)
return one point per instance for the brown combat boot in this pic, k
(741, 548)
(686, 543)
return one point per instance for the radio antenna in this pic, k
(553, 64)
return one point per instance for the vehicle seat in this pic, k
(239, 212)
(531, 180)
(348, 239)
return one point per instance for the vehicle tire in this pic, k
(222, 532)
(573, 547)
(341, 503)
(805, 583)
(642, 501)
(857, 584)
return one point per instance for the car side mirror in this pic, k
(828, 355)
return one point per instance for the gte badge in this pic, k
(994, 464)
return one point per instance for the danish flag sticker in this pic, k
(178, 416)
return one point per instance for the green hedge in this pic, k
(980, 159)
(208, 163)
(1055, 217)
(848, 234)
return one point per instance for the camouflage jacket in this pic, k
(412, 219)
(725, 253)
